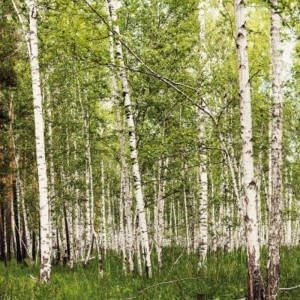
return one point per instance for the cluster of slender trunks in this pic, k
(72, 235)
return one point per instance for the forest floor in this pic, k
(224, 278)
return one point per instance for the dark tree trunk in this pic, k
(33, 245)
(8, 231)
(58, 247)
(24, 240)
(68, 253)
(18, 253)
(2, 240)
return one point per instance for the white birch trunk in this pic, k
(213, 222)
(186, 222)
(21, 197)
(78, 228)
(275, 233)
(133, 147)
(127, 197)
(222, 230)
(69, 208)
(64, 247)
(203, 213)
(91, 181)
(122, 231)
(160, 210)
(155, 209)
(45, 267)
(255, 282)
(110, 225)
(99, 251)
(103, 209)
(31, 38)
(175, 221)
(71, 233)
(289, 222)
(89, 204)
(138, 254)
(88, 221)
(259, 217)
(52, 217)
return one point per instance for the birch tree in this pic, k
(255, 282)
(125, 184)
(160, 209)
(31, 37)
(203, 214)
(276, 158)
(133, 147)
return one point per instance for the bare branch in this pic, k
(23, 25)
(161, 283)
(290, 288)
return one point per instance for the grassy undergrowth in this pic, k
(224, 278)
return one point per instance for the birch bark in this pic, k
(163, 164)
(186, 221)
(273, 267)
(89, 204)
(69, 208)
(78, 227)
(126, 194)
(45, 267)
(255, 282)
(133, 148)
(289, 224)
(175, 226)
(26, 240)
(122, 232)
(103, 210)
(31, 38)
(51, 192)
(203, 214)
(127, 198)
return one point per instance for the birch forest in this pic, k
(150, 149)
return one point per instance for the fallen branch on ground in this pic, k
(34, 278)
(290, 288)
(161, 283)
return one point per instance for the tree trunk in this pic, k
(2, 235)
(255, 282)
(21, 186)
(103, 210)
(186, 221)
(288, 225)
(202, 176)
(203, 212)
(163, 164)
(121, 231)
(126, 195)
(17, 223)
(276, 159)
(133, 146)
(32, 43)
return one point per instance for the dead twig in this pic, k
(290, 288)
(161, 283)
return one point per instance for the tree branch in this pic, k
(23, 25)
(290, 288)
(161, 283)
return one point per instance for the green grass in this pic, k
(224, 278)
